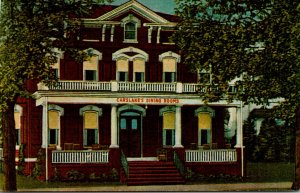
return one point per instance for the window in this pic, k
(90, 66)
(130, 31)
(169, 69)
(17, 116)
(90, 130)
(204, 128)
(123, 123)
(139, 70)
(122, 69)
(168, 128)
(90, 75)
(130, 25)
(54, 127)
(55, 68)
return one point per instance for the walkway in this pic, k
(279, 186)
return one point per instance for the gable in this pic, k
(132, 6)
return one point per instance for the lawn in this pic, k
(256, 172)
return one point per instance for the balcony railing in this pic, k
(215, 155)
(80, 156)
(177, 87)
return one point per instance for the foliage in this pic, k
(21, 159)
(252, 42)
(37, 170)
(75, 175)
(273, 143)
(32, 34)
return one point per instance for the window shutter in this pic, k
(53, 119)
(173, 137)
(164, 137)
(96, 136)
(139, 65)
(169, 120)
(204, 121)
(169, 65)
(84, 137)
(122, 65)
(17, 117)
(91, 64)
(90, 120)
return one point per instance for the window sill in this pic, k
(131, 41)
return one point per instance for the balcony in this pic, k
(114, 86)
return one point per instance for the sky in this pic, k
(164, 6)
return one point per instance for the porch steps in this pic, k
(153, 172)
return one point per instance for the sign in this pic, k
(148, 100)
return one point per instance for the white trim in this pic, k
(30, 159)
(121, 52)
(170, 54)
(135, 6)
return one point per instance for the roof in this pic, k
(109, 12)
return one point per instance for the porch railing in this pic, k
(80, 156)
(178, 163)
(216, 155)
(124, 163)
(175, 87)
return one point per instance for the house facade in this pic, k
(132, 101)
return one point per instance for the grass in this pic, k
(270, 172)
(256, 172)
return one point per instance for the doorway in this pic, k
(130, 135)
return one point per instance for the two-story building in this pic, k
(133, 104)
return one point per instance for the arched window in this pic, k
(90, 66)
(130, 24)
(138, 70)
(204, 115)
(169, 61)
(122, 69)
(168, 129)
(54, 114)
(90, 124)
(130, 31)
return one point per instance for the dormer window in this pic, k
(130, 31)
(130, 24)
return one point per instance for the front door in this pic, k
(130, 133)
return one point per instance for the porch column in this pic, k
(239, 131)
(45, 124)
(178, 127)
(114, 127)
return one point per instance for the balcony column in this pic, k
(114, 127)
(239, 129)
(45, 123)
(178, 127)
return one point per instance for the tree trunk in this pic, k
(296, 183)
(9, 151)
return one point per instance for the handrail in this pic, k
(178, 163)
(124, 163)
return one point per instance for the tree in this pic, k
(255, 43)
(30, 32)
